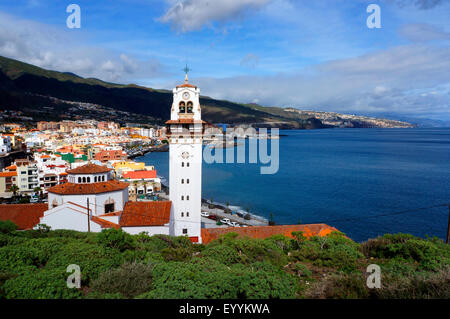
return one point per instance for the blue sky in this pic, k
(316, 55)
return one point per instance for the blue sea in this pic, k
(343, 177)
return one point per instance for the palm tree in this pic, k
(38, 190)
(14, 189)
(271, 221)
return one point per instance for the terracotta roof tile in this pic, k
(140, 174)
(145, 214)
(185, 121)
(89, 169)
(8, 174)
(104, 223)
(309, 230)
(93, 188)
(25, 216)
(186, 85)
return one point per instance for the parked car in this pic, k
(213, 217)
(234, 224)
(225, 221)
(204, 214)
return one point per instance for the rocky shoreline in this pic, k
(222, 211)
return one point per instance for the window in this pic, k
(84, 179)
(182, 181)
(79, 179)
(185, 231)
(182, 164)
(187, 181)
(88, 179)
(95, 179)
(187, 214)
(182, 197)
(109, 208)
(190, 106)
(187, 164)
(182, 107)
(182, 214)
(187, 197)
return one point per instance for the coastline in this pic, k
(222, 211)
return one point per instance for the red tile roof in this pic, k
(210, 234)
(89, 169)
(25, 216)
(145, 214)
(185, 121)
(186, 85)
(140, 174)
(104, 223)
(8, 174)
(93, 188)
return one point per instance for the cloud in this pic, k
(420, 4)
(56, 49)
(191, 15)
(422, 32)
(250, 60)
(392, 80)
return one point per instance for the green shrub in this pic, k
(92, 259)
(7, 227)
(206, 278)
(40, 284)
(302, 271)
(117, 239)
(420, 285)
(430, 254)
(333, 251)
(177, 254)
(128, 281)
(339, 286)
(248, 250)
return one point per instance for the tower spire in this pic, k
(186, 71)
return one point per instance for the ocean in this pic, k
(364, 182)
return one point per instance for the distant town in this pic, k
(35, 158)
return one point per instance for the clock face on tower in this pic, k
(185, 155)
(186, 95)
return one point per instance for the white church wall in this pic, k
(67, 218)
(96, 201)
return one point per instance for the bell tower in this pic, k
(185, 136)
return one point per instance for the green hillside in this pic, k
(23, 86)
(117, 265)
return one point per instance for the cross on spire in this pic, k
(186, 71)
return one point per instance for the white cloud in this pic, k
(384, 81)
(422, 32)
(57, 49)
(190, 15)
(250, 60)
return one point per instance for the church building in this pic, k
(185, 135)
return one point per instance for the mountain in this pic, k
(28, 88)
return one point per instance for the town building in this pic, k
(5, 144)
(141, 182)
(111, 155)
(27, 176)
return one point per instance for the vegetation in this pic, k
(115, 264)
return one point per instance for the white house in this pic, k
(5, 145)
(91, 200)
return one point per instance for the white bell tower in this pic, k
(185, 135)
